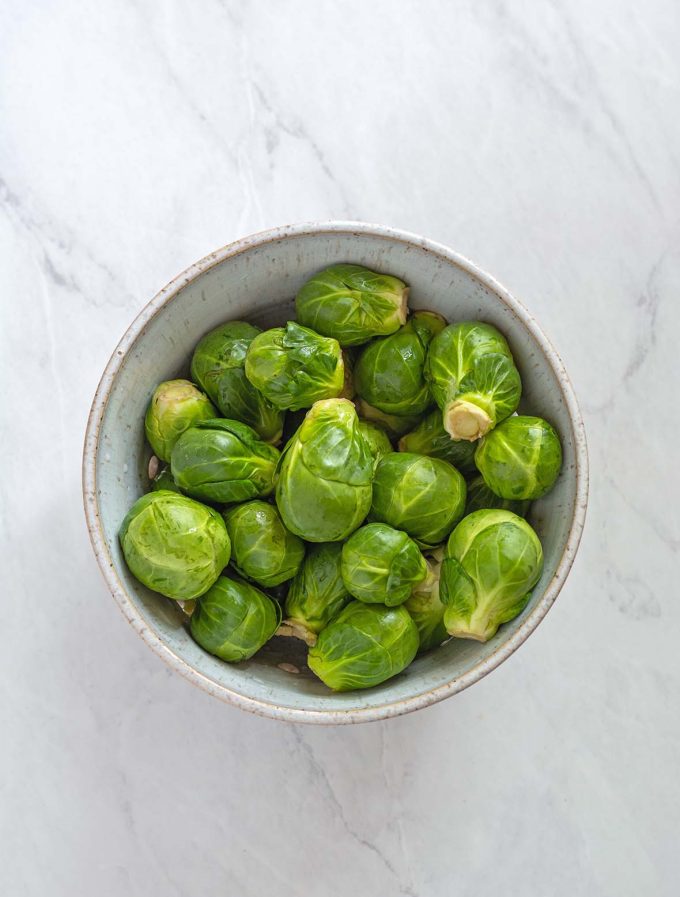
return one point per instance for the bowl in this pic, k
(257, 278)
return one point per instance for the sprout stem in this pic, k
(295, 629)
(463, 420)
(402, 311)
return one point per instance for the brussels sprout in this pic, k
(423, 496)
(381, 565)
(223, 461)
(218, 365)
(352, 304)
(473, 378)
(262, 549)
(395, 426)
(323, 488)
(174, 545)
(389, 372)
(234, 619)
(521, 459)
(175, 406)
(317, 593)
(363, 646)
(294, 367)
(430, 438)
(376, 438)
(494, 559)
(426, 609)
(479, 496)
(164, 480)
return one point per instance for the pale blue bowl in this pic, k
(256, 279)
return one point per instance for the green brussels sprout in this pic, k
(376, 438)
(262, 549)
(352, 304)
(430, 438)
(473, 378)
(174, 545)
(521, 459)
(479, 496)
(223, 461)
(294, 367)
(175, 406)
(426, 609)
(394, 425)
(234, 620)
(317, 592)
(218, 366)
(364, 645)
(381, 565)
(164, 480)
(494, 559)
(423, 496)
(389, 372)
(323, 488)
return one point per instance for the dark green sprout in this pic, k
(234, 620)
(423, 496)
(381, 565)
(364, 645)
(352, 304)
(223, 461)
(317, 593)
(218, 366)
(294, 367)
(262, 549)
(389, 372)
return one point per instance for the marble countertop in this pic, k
(540, 140)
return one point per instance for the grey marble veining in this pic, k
(540, 140)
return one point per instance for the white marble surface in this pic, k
(540, 139)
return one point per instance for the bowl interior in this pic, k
(257, 282)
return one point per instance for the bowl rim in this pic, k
(271, 709)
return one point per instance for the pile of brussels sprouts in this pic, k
(385, 525)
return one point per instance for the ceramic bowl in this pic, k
(256, 278)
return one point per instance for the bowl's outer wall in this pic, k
(258, 283)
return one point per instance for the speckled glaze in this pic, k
(256, 278)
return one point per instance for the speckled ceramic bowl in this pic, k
(257, 278)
